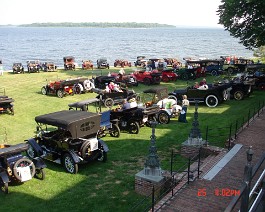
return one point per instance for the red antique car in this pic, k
(87, 64)
(122, 63)
(169, 75)
(148, 77)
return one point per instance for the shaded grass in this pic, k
(98, 186)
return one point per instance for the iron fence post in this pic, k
(247, 180)
(259, 109)
(230, 133)
(207, 131)
(171, 163)
(199, 162)
(153, 199)
(248, 116)
(253, 113)
(189, 171)
(236, 129)
(243, 123)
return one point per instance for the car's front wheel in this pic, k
(115, 131)
(214, 73)
(40, 174)
(4, 186)
(238, 95)
(163, 117)
(109, 102)
(147, 81)
(69, 164)
(211, 101)
(60, 93)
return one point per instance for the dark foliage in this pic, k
(244, 19)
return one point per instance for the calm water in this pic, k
(19, 44)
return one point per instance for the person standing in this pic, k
(183, 113)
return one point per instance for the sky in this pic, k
(198, 13)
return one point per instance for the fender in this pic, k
(76, 158)
(4, 177)
(35, 146)
(105, 146)
(39, 163)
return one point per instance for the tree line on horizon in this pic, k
(98, 24)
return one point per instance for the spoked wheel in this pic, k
(102, 155)
(40, 174)
(211, 101)
(147, 81)
(184, 76)
(109, 102)
(44, 90)
(69, 164)
(163, 117)
(60, 93)
(134, 127)
(115, 131)
(214, 72)
(165, 79)
(21, 163)
(238, 95)
(4, 187)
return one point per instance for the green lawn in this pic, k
(97, 186)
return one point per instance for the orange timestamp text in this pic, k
(222, 192)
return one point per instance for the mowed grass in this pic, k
(97, 186)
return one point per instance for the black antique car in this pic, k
(70, 139)
(107, 125)
(102, 63)
(18, 68)
(212, 95)
(101, 81)
(256, 72)
(6, 103)
(14, 166)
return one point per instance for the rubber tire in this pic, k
(147, 81)
(4, 186)
(103, 157)
(44, 90)
(31, 152)
(134, 127)
(77, 89)
(23, 160)
(211, 98)
(172, 97)
(109, 102)
(184, 76)
(165, 79)
(238, 95)
(86, 150)
(163, 117)
(214, 73)
(60, 93)
(115, 131)
(68, 161)
(40, 174)
(230, 71)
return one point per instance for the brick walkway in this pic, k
(230, 177)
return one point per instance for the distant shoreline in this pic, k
(99, 25)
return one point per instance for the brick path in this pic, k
(230, 177)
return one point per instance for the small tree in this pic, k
(244, 19)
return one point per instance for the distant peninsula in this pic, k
(99, 25)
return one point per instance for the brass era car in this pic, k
(18, 68)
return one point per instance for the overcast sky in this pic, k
(174, 12)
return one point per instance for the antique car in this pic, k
(70, 139)
(127, 79)
(212, 95)
(186, 74)
(111, 98)
(169, 75)
(69, 63)
(87, 64)
(140, 61)
(241, 86)
(158, 96)
(122, 63)
(60, 87)
(256, 72)
(107, 125)
(206, 66)
(49, 66)
(33, 66)
(156, 63)
(233, 64)
(14, 166)
(101, 81)
(6, 103)
(148, 77)
(18, 68)
(102, 63)
(173, 62)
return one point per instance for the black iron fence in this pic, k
(224, 137)
(189, 170)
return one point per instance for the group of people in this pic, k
(112, 87)
(202, 85)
